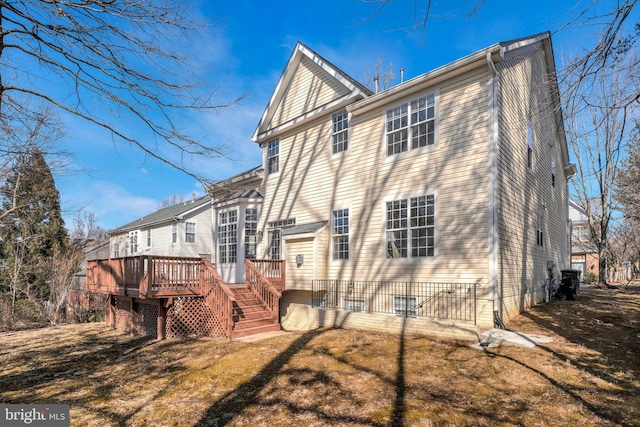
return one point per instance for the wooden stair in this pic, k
(250, 317)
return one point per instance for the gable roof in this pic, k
(170, 213)
(346, 90)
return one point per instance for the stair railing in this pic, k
(217, 296)
(262, 288)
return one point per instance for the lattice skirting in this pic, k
(191, 317)
(123, 315)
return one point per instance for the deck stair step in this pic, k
(249, 315)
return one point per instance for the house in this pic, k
(82, 305)
(439, 204)
(584, 252)
(183, 229)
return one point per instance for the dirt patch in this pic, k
(587, 376)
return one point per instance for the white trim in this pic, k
(406, 195)
(436, 125)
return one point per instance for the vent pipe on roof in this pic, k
(193, 196)
(401, 75)
(375, 83)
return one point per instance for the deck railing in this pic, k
(453, 301)
(262, 288)
(272, 269)
(145, 276)
(218, 296)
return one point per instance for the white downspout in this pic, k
(494, 294)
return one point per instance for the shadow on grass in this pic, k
(233, 403)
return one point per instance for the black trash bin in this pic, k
(570, 283)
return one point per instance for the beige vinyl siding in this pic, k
(524, 193)
(311, 182)
(300, 276)
(310, 88)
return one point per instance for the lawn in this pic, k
(588, 376)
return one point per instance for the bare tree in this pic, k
(171, 200)
(85, 227)
(381, 79)
(118, 64)
(64, 264)
(597, 123)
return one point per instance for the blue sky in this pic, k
(245, 51)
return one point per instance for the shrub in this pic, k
(590, 277)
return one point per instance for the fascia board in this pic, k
(325, 109)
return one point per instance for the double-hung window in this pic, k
(340, 233)
(410, 227)
(190, 232)
(250, 232)
(411, 125)
(148, 237)
(340, 132)
(174, 233)
(133, 241)
(273, 156)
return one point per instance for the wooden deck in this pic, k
(159, 279)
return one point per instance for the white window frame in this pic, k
(530, 142)
(403, 126)
(190, 234)
(133, 241)
(174, 233)
(405, 225)
(340, 234)
(251, 232)
(228, 236)
(356, 305)
(339, 132)
(273, 156)
(116, 249)
(274, 235)
(148, 237)
(405, 305)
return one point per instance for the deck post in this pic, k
(134, 318)
(162, 321)
(110, 312)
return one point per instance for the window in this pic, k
(553, 172)
(539, 233)
(274, 244)
(282, 222)
(354, 304)
(340, 233)
(250, 232)
(273, 154)
(405, 306)
(410, 228)
(413, 121)
(190, 232)
(148, 237)
(116, 250)
(133, 241)
(174, 233)
(529, 145)
(228, 236)
(340, 132)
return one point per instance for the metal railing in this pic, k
(452, 301)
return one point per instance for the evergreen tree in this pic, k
(31, 225)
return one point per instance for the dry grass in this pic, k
(588, 376)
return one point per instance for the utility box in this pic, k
(571, 280)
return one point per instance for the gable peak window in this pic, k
(273, 156)
(340, 131)
(411, 125)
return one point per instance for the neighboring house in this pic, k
(180, 230)
(452, 184)
(584, 252)
(82, 305)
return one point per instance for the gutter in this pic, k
(493, 237)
